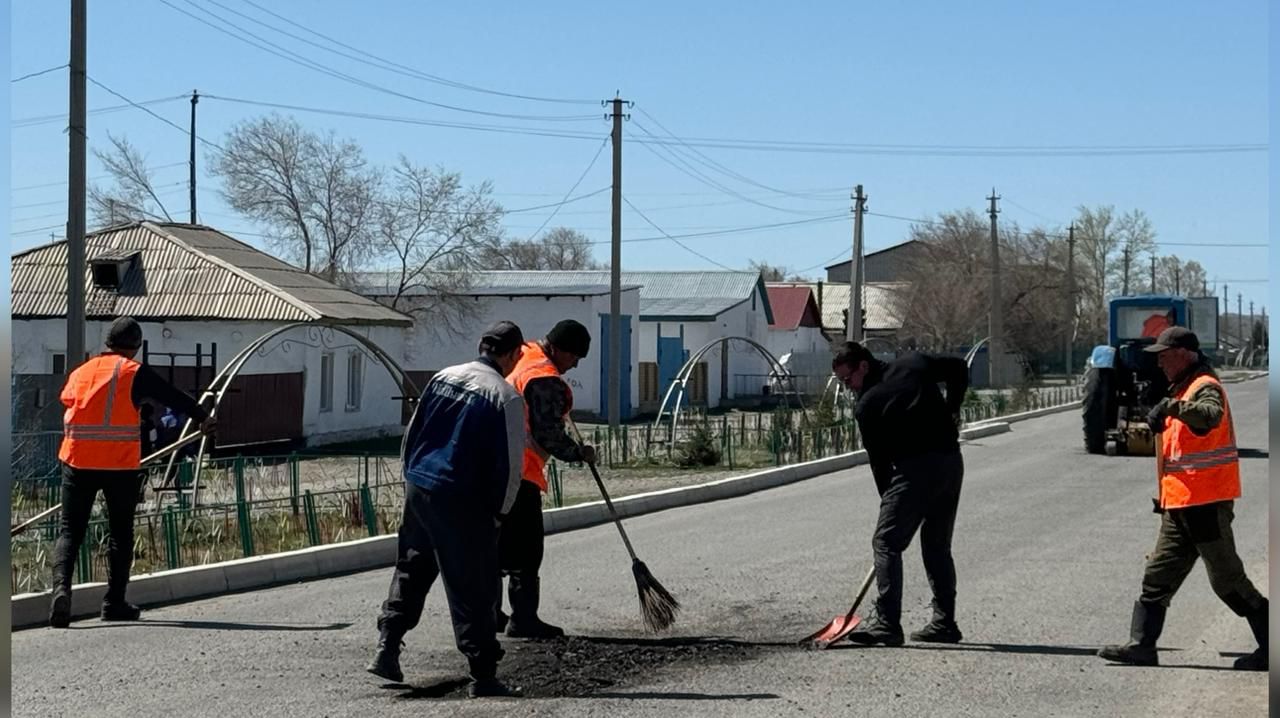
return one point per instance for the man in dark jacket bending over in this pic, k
(911, 434)
(462, 458)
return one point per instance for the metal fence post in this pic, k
(169, 523)
(366, 507)
(294, 483)
(313, 526)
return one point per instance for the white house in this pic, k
(198, 291)
(436, 340)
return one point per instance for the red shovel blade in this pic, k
(839, 627)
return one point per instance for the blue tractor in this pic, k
(1123, 382)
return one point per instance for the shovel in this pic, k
(840, 626)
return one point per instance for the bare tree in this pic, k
(133, 195)
(559, 248)
(316, 194)
(948, 279)
(774, 272)
(1097, 242)
(1137, 239)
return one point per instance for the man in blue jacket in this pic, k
(462, 458)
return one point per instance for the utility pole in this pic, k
(615, 272)
(195, 97)
(1226, 308)
(76, 134)
(1153, 274)
(853, 332)
(1070, 323)
(996, 329)
(1177, 278)
(1251, 325)
(1124, 289)
(1240, 317)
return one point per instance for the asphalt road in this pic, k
(1050, 544)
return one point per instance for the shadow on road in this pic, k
(439, 689)
(218, 626)
(686, 642)
(656, 695)
(1254, 453)
(1015, 648)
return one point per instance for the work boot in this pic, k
(60, 608)
(484, 681)
(1144, 631)
(938, 631)
(877, 632)
(1256, 661)
(524, 623)
(386, 662)
(120, 611)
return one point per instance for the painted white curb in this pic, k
(31, 610)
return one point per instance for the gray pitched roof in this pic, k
(688, 295)
(187, 272)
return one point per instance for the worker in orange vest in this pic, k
(548, 400)
(102, 451)
(1199, 472)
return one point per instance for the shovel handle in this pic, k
(862, 592)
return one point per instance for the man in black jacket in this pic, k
(911, 435)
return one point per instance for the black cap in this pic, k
(1175, 338)
(125, 333)
(501, 338)
(570, 336)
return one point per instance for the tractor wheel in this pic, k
(1098, 401)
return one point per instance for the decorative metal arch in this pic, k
(218, 387)
(686, 372)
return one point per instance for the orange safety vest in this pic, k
(534, 364)
(1197, 470)
(101, 426)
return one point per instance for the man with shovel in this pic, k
(911, 435)
(102, 451)
(548, 400)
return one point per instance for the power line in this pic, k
(30, 75)
(581, 177)
(738, 230)
(682, 245)
(170, 123)
(62, 117)
(828, 262)
(401, 69)
(299, 59)
(99, 177)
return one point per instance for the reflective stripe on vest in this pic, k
(534, 364)
(101, 426)
(1197, 470)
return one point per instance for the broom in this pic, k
(657, 606)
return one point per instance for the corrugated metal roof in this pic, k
(885, 303)
(694, 293)
(187, 272)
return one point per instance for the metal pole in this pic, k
(1070, 323)
(195, 97)
(995, 320)
(77, 132)
(615, 276)
(854, 329)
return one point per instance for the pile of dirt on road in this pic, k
(578, 666)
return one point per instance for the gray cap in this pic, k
(125, 333)
(1175, 338)
(501, 338)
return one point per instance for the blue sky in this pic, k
(942, 74)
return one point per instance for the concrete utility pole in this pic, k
(615, 273)
(76, 135)
(1240, 318)
(1124, 288)
(195, 97)
(1251, 321)
(1177, 278)
(1153, 274)
(1226, 308)
(996, 328)
(853, 331)
(1070, 324)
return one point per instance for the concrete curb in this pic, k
(30, 610)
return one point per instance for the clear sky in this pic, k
(933, 77)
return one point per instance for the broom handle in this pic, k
(866, 583)
(146, 460)
(595, 474)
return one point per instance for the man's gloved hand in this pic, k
(958, 418)
(1156, 417)
(588, 454)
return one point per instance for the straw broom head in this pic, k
(657, 605)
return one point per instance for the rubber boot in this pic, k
(1144, 631)
(484, 681)
(386, 661)
(524, 595)
(1256, 661)
(60, 608)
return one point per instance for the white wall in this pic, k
(35, 343)
(800, 339)
(430, 347)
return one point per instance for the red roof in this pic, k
(793, 307)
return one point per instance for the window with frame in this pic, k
(59, 364)
(698, 383)
(355, 380)
(648, 381)
(326, 381)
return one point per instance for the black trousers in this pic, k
(80, 489)
(922, 494)
(521, 542)
(456, 539)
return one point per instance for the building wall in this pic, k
(298, 350)
(430, 347)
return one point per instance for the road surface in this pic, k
(1049, 545)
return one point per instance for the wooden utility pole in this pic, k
(77, 133)
(615, 274)
(1124, 288)
(1153, 274)
(853, 332)
(1240, 317)
(195, 97)
(1177, 277)
(995, 321)
(1069, 324)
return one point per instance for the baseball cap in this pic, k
(1175, 338)
(501, 337)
